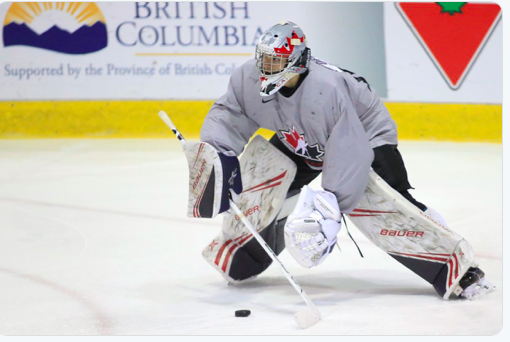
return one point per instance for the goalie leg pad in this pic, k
(251, 259)
(267, 175)
(419, 240)
(242, 258)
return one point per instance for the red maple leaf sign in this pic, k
(452, 34)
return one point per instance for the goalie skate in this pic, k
(478, 290)
(473, 285)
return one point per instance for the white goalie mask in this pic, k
(281, 54)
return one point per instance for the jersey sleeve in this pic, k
(226, 126)
(348, 158)
(373, 114)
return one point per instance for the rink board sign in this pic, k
(131, 50)
(444, 51)
(188, 50)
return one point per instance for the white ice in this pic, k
(94, 240)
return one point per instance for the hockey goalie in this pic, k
(326, 119)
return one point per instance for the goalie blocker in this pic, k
(212, 175)
(419, 240)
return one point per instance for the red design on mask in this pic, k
(288, 50)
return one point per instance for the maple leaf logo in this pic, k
(298, 142)
(451, 7)
(287, 51)
(437, 24)
(293, 137)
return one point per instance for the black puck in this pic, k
(243, 313)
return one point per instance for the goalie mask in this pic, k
(281, 54)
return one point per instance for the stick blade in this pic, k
(307, 317)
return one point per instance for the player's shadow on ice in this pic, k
(323, 288)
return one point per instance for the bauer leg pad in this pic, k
(419, 240)
(242, 258)
(267, 175)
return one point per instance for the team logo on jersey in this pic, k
(311, 153)
(67, 27)
(452, 33)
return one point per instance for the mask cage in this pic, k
(270, 63)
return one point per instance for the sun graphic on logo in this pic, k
(69, 27)
(82, 12)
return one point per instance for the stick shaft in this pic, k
(273, 256)
(166, 119)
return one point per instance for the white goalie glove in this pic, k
(311, 229)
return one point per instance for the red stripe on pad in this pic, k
(246, 238)
(420, 256)
(241, 237)
(225, 262)
(374, 211)
(220, 252)
(267, 182)
(267, 187)
(450, 264)
(198, 154)
(456, 265)
(447, 255)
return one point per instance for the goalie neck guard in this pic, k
(281, 54)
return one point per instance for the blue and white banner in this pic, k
(132, 50)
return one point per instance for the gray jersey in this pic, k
(333, 120)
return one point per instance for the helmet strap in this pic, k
(304, 59)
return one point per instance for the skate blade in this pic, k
(475, 291)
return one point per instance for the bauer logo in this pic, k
(408, 233)
(249, 212)
(453, 34)
(66, 27)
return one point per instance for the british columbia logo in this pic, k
(67, 27)
(453, 34)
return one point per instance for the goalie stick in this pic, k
(305, 317)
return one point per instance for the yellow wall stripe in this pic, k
(139, 119)
(451, 122)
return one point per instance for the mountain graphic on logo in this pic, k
(72, 28)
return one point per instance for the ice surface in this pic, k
(94, 240)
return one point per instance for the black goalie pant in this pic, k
(251, 259)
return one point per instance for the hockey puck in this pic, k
(243, 313)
